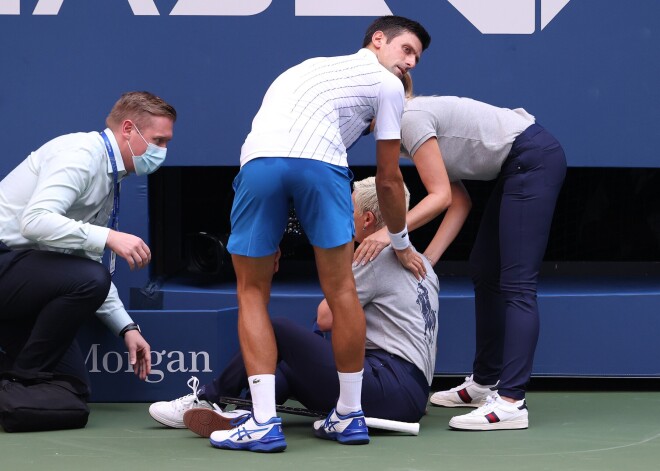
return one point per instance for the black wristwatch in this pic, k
(131, 326)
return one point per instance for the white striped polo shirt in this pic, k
(319, 108)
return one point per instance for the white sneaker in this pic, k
(204, 422)
(468, 394)
(170, 413)
(496, 414)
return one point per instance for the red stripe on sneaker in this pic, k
(492, 418)
(464, 396)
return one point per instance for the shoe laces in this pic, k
(468, 382)
(488, 406)
(185, 402)
(331, 420)
(240, 420)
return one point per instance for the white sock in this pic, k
(262, 389)
(350, 392)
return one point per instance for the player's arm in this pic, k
(391, 200)
(387, 133)
(389, 185)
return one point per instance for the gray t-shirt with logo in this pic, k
(474, 137)
(401, 313)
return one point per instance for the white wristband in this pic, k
(400, 240)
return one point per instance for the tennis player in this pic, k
(296, 155)
(401, 319)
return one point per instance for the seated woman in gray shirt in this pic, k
(451, 139)
(401, 317)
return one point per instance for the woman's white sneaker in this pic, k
(468, 394)
(496, 414)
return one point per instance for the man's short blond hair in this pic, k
(366, 198)
(139, 107)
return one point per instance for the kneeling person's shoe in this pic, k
(349, 429)
(468, 394)
(496, 414)
(170, 413)
(248, 434)
(204, 422)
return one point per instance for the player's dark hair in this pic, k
(393, 26)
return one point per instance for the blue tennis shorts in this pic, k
(267, 187)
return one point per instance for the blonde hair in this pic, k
(366, 198)
(139, 107)
(407, 81)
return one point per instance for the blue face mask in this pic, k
(152, 158)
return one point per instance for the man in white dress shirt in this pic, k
(58, 213)
(296, 155)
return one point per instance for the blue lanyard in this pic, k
(114, 218)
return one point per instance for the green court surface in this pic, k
(568, 431)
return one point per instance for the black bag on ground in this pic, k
(53, 402)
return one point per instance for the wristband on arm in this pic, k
(400, 240)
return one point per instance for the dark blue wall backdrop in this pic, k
(588, 69)
(590, 75)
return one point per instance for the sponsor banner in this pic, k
(183, 344)
(201, 342)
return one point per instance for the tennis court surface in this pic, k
(568, 431)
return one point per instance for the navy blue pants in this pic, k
(44, 298)
(392, 388)
(506, 259)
